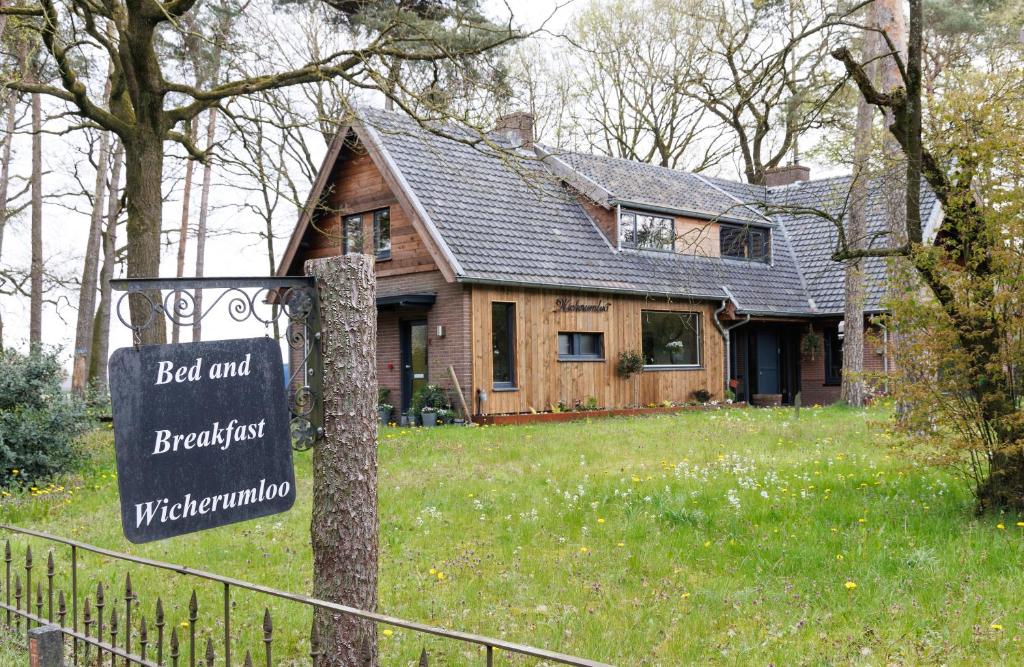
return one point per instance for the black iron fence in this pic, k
(104, 627)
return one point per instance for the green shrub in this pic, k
(431, 395)
(702, 395)
(39, 422)
(630, 363)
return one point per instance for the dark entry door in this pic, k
(768, 363)
(414, 359)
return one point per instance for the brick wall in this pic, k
(450, 310)
(812, 367)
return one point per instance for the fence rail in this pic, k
(168, 649)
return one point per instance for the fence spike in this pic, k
(17, 600)
(28, 557)
(99, 595)
(62, 607)
(193, 607)
(113, 622)
(128, 587)
(174, 646)
(268, 634)
(159, 631)
(143, 636)
(49, 564)
(248, 658)
(209, 652)
(7, 551)
(424, 661)
(50, 571)
(87, 615)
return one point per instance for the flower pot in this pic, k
(385, 415)
(429, 418)
(406, 420)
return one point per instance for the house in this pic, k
(528, 271)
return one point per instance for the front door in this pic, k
(414, 359)
(768, 362)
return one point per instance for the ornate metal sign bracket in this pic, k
(181, 301)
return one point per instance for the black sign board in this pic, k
(201, 434)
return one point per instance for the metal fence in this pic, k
(92, 622)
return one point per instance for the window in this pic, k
(745, 242)
(670, 339)
(503, 344)
(833, 357)
(640, 230)
(382, 233)
(353, 234)
(573, 346)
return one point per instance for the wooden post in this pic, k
(45, 647)
(344, 527)
(466, 414)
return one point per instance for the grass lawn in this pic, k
(729, 537)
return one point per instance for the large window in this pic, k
(640, 230)
(833, 356)
(580, 346)
(670, 339)
(745, 242)
(352, 227)
(503, 344)
(382, 233)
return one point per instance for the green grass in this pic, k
(723, 537)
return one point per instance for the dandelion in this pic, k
(707, 544)
(433, 571)
(600, 520)
(621, 544)
(862, 520)
(388, 632)
(839, 556)
(685, 596)
(1020, 524)
(997, 627)
(1000, 526)
(584, 550)
(850, 585)
(440, 576)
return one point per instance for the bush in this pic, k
(39, 422)
(702, 395)
(630, 363)
(433, 396)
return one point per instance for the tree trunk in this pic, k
(186, 197)
(10, 116)
(204, 208)
(852, 389)
(344, 526)
(35, 324)
(87, 290)
(144, 162)
(101, 325)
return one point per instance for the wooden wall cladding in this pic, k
(359, 187)
(543, 380)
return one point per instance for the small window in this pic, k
(353, 234)
(745, 242)
(503, 344)
(833, 357)
(574, 346)
(670, 338)
(652, 232)
(382, 233)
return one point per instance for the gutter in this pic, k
(724, 330)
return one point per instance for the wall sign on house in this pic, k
(201, 436)
(567, 305)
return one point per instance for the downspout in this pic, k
(725, 338)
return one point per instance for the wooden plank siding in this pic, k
(542, 380)
(358, 187)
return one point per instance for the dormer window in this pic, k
(745, 242)
(645, 231)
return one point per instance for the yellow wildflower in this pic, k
(600, 520)
(1000, 526)
(685, 595)
(850, 585)
(388, 632)
(997, 627)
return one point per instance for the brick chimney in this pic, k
(791, 173)
(517, 128)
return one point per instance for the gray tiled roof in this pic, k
(510, 220)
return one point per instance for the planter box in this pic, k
(540, 417)
(429, 418)
(766, 400)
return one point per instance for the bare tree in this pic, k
(186, 198)
(101, 323)
(139, 112)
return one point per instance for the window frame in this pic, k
(831, 340)
(381, 256)
(699, 330)
(510, 325)
(345, 220)
(634, 215)
(574, 345)
(748, 231)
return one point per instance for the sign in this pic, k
(566, 305)
(201, 435)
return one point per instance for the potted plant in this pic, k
(444, 416)
(384, 409)
(428, 414)
(630, 364)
